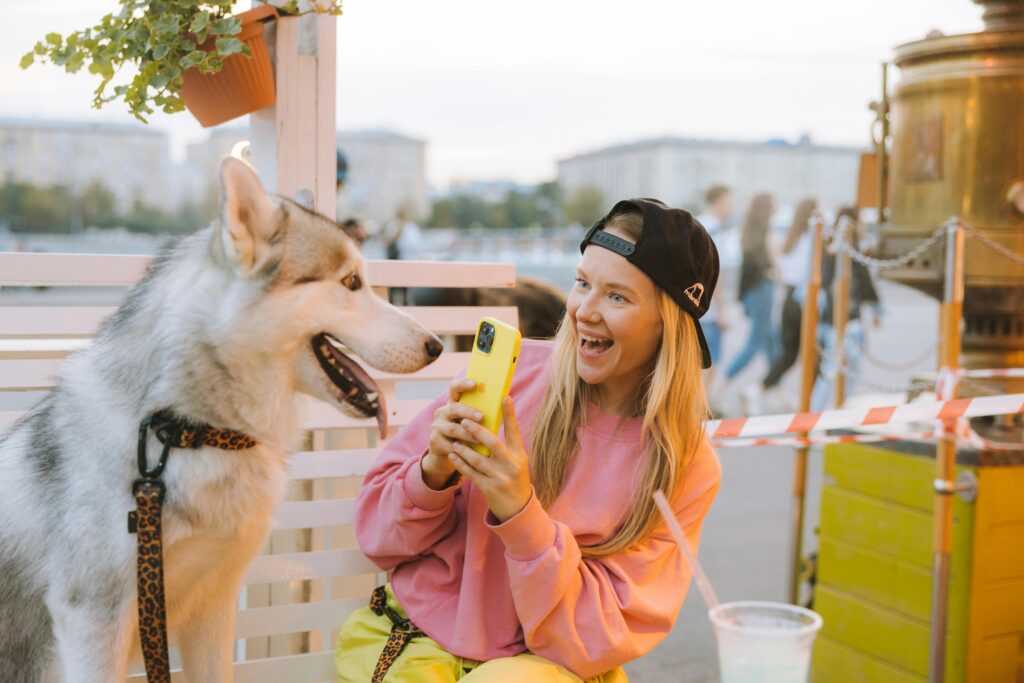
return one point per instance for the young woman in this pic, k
(548, 561)
(756, 286)
(794, 271)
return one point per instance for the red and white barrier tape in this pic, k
(820, 440)
(796, 423)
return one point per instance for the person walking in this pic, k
(794, 271)
(756, 286)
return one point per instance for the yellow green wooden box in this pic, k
(874, 568)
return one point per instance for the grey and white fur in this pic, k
(221, 330)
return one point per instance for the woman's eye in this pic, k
(617, 298)
(352, 281)
(581, 283)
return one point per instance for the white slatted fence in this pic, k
(311, 576)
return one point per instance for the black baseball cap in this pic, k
(674, 250)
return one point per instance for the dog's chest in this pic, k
(222, 493)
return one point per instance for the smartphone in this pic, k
(491, 364)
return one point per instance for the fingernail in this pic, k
(478, 415)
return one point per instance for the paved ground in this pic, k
(746, 536)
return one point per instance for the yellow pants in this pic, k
(363, 636)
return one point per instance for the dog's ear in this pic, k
(249, 220)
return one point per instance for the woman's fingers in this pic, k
(510, 425)
(460, 385)
(484, 436)
(455, 430)
(479, 463)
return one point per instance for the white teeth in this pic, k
(593, 339)
(371, 397)
(330, 359)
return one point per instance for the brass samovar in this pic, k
(955, 125)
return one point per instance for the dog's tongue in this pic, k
(382, 416)
(363, 378)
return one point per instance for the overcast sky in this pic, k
(503, 89)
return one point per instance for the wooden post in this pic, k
(294, 149)
(841, 311)
(808, 358)
(294, 141)
(951, 313)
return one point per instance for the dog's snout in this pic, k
(433, 347)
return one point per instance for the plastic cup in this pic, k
(764, 642)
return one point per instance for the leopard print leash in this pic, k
(145, 523)
(402, 631)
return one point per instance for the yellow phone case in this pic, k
(493, 367)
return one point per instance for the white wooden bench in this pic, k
(311, 575)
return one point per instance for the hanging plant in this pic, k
(161, 39)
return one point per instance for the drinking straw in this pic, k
(706, 591)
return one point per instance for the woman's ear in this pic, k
(249, 220)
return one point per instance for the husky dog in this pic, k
(226, 327)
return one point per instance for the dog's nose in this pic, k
(433, 347)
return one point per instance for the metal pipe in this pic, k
(808, 370)
(883, 154)
(945, 453)
(841, 308)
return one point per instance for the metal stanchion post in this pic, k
(945, 454)
(841, 311)
(808, 367)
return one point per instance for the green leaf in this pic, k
(27, 59)
(200, 22)
(191, 59)
(53, 39)
(166, 25)
(228, 26)
(160, 51)
(229, 46)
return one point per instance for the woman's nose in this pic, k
(588, 310)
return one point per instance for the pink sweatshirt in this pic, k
(483, 589)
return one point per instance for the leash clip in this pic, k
(145, 473)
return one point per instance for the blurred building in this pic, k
(679, 170)
(131, 161)
(386, 172)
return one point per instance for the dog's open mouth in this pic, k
(355, 386)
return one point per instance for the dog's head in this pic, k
(306, 298)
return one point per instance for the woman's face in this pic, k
(614, 311)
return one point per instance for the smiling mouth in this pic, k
(354, 385)
(594, 346)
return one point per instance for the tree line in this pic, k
(29, 208)
(546, 206)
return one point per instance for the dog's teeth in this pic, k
(371, 397)
(323, 349)
(331, 360)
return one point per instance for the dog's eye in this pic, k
(352, 281)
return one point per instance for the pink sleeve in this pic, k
(592, 615)
(397, 515)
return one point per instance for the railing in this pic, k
(310, 575)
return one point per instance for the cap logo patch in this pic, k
(694, 293)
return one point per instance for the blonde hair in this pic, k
(671, 400)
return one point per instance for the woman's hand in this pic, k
(504, 477)
(446, 428)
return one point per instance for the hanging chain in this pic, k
(992, 244)
(838, 241)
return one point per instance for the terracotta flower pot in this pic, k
(243, 85)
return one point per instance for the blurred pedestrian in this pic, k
(756, 286)
(402, 240)
(356, 230)
(862, 293)
(718, 210)
(794, 271)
